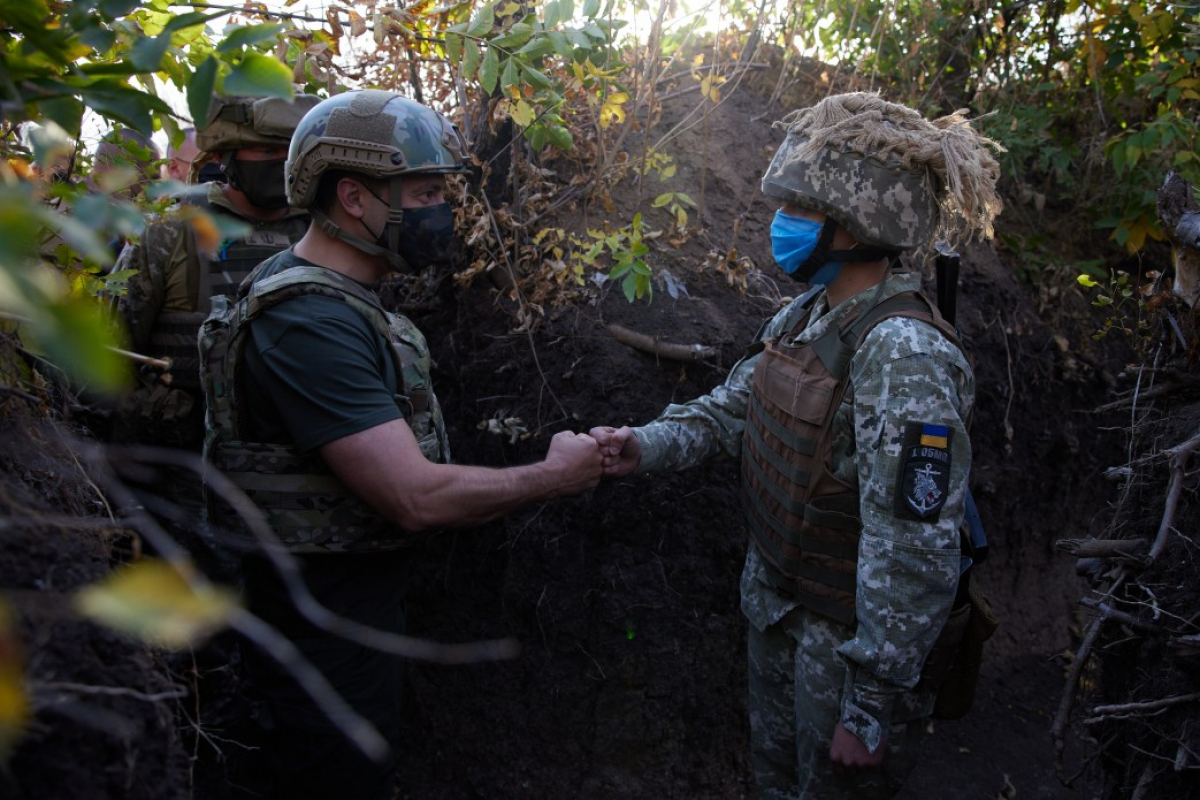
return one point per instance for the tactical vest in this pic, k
(806, 522)
(309, 508)
(174, 332)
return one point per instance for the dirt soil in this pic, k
(631, 678)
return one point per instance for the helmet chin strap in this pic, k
(821, 254)
(391, 228)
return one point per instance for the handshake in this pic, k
(577, 461)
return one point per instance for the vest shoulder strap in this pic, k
(837, 346)
(304, 280)
(792, 315)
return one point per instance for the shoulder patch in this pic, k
(924, 478)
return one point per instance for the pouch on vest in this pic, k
(952, 667)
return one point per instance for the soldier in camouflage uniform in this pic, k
(168, 297)
(849, 415)
(322, 410)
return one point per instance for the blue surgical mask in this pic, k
(793, 240)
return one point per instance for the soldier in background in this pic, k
(178, 166)
(849, 414)
(168, 297)
(124, 163)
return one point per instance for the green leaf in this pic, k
(663, 199)
(560, 137)
(116, 101)
(590, 8)
(260, 76)
(482, 24)
(200, 90)
(560, 43)
(537, 138)
(535, 78)
(67, 112)
(517, 35)
(566, 10)
(551, 13)
(112, 9)
(190, 19)
(578, 38)
(489, 70)
(146, 54)
(249, 35)
(75, 334)
(471, 56)
(454, 47)
(538, 47)
(510, 74)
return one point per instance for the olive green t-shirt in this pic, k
(314, 370)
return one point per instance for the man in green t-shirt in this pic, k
(321, 408)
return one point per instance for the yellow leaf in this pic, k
(14, 702)
(151, 600)
(207, 235)
(522, 113)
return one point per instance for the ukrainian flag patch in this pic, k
(923, 482)
(935, 435)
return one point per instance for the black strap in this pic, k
(947, 285)
(817, 258)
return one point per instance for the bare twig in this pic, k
(1100, 548)
(1058, 728)
(1120, 616)
(1177, 457)
(39, 687)
(355, 727)
(657, 347)
(1123, 709)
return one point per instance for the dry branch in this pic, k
(1101, 548)
(657, 347)
(1121, 709)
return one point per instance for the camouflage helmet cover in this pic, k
(376, 133)
(879, 203)
(887, 175)
(236, 122)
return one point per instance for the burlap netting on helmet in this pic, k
(376, 133)
(237, 122)
(885, 173)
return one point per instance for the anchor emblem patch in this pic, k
(925, 477)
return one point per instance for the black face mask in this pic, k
(260, 181)
(426, 235)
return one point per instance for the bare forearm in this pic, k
(385, 468)
(455, 496)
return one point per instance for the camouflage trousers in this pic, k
(796, 681)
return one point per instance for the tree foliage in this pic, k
(1094, 102)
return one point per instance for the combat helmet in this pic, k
(377, 134)
(890, 177)
(237, 122)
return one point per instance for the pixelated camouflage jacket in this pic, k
(164, 303)
(904, 372)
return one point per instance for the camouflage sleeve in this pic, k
(913, 391)
(153, 259)
(686, 435)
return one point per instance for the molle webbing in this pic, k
(308, 507)
(804, 521)
(174, 336)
